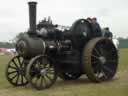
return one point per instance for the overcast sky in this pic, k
(111, 13)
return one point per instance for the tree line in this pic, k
(123, 42)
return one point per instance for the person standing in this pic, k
(107, 33)
(89, 20)
(96, 28)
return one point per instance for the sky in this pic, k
(110, 13)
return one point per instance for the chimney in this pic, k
(32, 17)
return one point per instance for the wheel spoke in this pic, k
(17, 80)
(110, 61)
(12, 72)
(97, 52)
(104, 74)
(97, 68)
(95, 57)
(19, 61)
(50, 69)
(22, 79)
(37, 79)
(45, 81)
(95, 62)
(13, 77)
(101, 50)
(108, 69)
(48, 77)
(35, 82)
(111, 51)
(50, 72)
(97, 74)
(15, 63)
(42, 79)
(12, 67)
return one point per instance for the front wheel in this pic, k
(41, 72)
(15, 71)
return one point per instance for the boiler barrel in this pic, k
(28, 46)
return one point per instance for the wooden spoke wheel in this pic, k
(41, 72)
(69, 76)
(15, 71)
(100, 60)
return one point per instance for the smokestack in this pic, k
(32, 17)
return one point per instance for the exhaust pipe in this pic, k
(32, 17)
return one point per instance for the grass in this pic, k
(82, 87)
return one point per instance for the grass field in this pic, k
(82, 87)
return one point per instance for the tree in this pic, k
(18, 36)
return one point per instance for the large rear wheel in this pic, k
(100, 60)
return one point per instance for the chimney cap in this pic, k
(32, 2)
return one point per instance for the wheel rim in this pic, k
(41, 73)
(15, 71)
(103, 61)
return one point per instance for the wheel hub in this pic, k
(20, 71)
(43, 71)
(102, 59)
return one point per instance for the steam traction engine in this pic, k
(46, 52)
